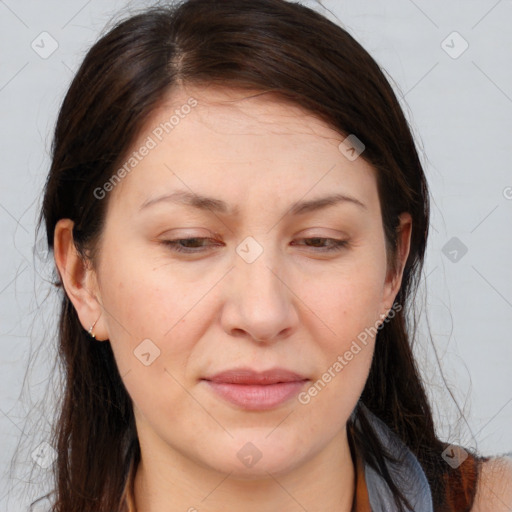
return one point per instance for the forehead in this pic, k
(230, 110)
(219, 141)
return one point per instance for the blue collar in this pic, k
(408, 474)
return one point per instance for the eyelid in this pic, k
(189, 232)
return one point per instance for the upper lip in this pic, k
(250, 376)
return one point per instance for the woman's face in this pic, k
(262, 284)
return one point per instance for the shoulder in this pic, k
(494, 488)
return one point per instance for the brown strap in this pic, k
(361, 501)
(460, 485)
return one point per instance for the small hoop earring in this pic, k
(90, 331)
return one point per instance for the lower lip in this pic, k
(257, 397)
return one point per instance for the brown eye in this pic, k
(319, 243)
(186, 245)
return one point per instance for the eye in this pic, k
(335, 244)
(175, 245)
(196, 245)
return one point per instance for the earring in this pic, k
(383, 318)
(90, 331)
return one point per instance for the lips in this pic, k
(256, 391)
(249, 376)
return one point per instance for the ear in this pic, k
(79, 279)
(394, 275)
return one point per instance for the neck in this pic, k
(168, 482)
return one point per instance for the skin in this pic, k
(494, 491)
(296, 306)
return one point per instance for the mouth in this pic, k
(257, 391)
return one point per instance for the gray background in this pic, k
(459, 104)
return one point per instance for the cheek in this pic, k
(141, 310)
(344, 350)
(144, 299)
(345, 320)
(346, 302)
(144, 312)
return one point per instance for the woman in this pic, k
(239, 217)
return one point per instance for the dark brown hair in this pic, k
(264, 45)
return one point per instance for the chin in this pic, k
(254, 458)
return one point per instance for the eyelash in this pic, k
(337, 245)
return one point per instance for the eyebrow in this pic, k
(218, 206)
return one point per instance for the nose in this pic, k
(259, 303)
